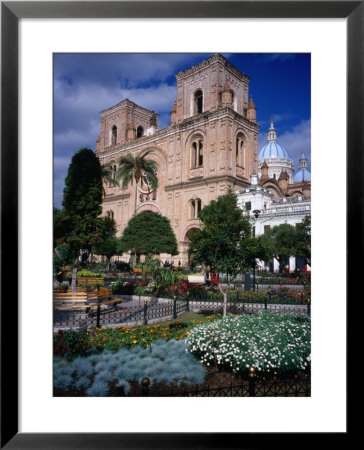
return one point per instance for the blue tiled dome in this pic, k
(302, 174)
(273, 150)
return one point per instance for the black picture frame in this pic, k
(11, 12)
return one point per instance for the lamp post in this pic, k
(256, 213)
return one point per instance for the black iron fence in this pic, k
(150, 312)
(103, 316)
(279, 296)
(254, 387)
(235, 307)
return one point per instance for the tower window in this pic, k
(198, 100)
(197, 154)
(112, 174)
(139, 132)
(114, 135)
(240, 151)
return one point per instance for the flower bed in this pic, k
(268, 342)
(73, 343)
(183, 288)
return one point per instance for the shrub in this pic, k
(62, 381)
(123, 287)
(83, 383)
(164, 362)
(71, 343)
(269, 342)
(88, 273)
(98, 389)
(82, 366)
(182, 288)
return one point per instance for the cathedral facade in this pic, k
(210, 144)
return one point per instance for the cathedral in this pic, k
(210, 144)
(277, 195)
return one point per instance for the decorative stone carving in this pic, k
(240, 172)
(195, 173)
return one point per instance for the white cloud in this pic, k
(298, 140)
(277, 118)
(90, 99)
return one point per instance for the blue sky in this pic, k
(85, 84)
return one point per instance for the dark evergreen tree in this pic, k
(82, 205)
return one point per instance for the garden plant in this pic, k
(113, 361)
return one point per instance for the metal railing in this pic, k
(168, 310)
(253, 387)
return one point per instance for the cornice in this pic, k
(126, 103)
(112, 198)
(206, 181)
(207, 62)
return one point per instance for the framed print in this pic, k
(32, 33)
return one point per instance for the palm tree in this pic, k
(108, 175)
(134, 168)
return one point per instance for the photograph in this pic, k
(182, 224)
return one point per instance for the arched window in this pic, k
(197, 154)
(274, 176)
(111, 174)
(140, 131)
(240, 150)
(198, 102)
(192, 209)
(195, 208)
(110, 214)
(198, 207)
(114, 135)
(112, 170)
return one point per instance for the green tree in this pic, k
(280, 243)
(303, 239)
(108, 248)
(224, 242)
(63, 256)
(108, 226)
(60, 226)
(148, 233)
(82, 199)
(133, 168)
